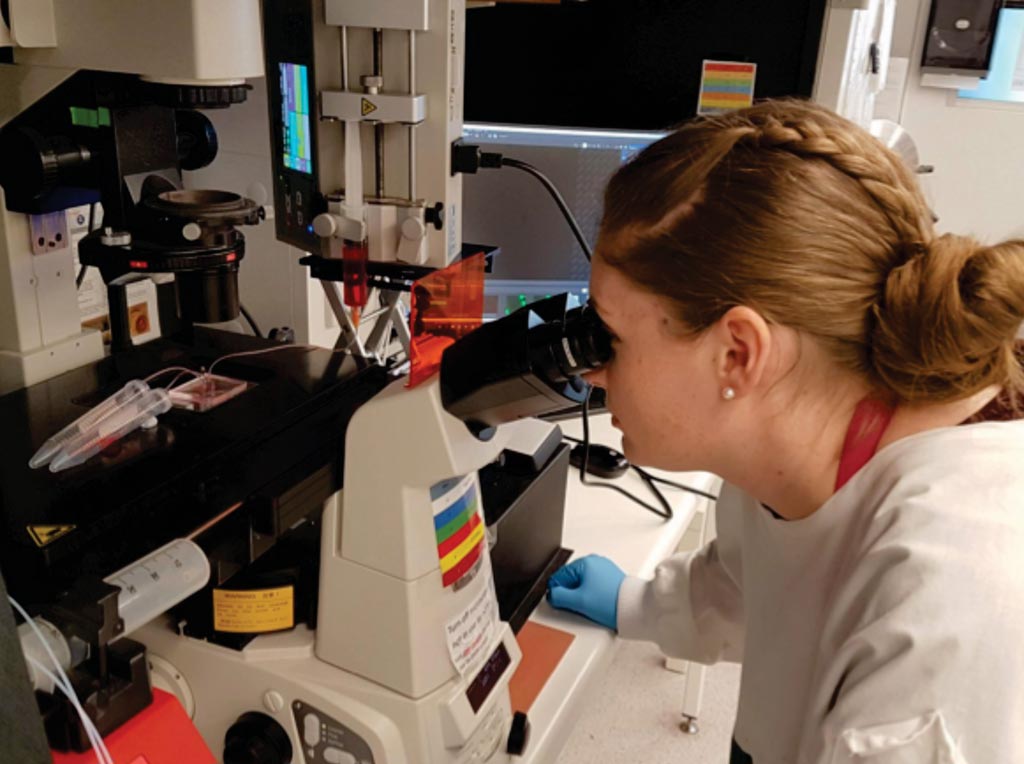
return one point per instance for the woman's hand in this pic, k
(590, 587)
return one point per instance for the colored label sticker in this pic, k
(458, 527)
(726, 85)
(254, 610)
(47, 534)
(368, 107)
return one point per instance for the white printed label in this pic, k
(1017, 81)
(469, 634)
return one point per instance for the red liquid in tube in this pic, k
(357, 292)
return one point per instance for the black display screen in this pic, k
(488, 677)
(629, 64)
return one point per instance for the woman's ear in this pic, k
(743, 345)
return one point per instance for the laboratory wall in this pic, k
(976, 147)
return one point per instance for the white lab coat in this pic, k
(886, 628)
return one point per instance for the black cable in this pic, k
(252, 322)
(654, 478)
(666, 509)
(577, 232)
(648, 477)
(81, 271)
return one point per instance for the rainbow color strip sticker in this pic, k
(726, 85)
(458, 527)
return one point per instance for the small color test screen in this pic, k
(296, 149)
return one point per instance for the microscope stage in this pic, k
(165, 482)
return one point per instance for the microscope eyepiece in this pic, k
(560, 351)
(525, 364)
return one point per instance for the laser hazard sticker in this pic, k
(43, 535)
(469, 635)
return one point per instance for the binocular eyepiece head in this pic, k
(525, 364)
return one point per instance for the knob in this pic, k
(435, 215)
(325, 225)
(372, 83)
(518, 735)
(197, 139)
(413, 229)
(256, 738)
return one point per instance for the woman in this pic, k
(784, 316)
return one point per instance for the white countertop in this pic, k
(601, 521)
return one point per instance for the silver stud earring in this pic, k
(728, 393)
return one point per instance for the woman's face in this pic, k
(660, 382)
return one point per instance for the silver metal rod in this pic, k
(388, 313)
(378, 156)
(365, 318)
(343, 31)
(378, 52)
(412, 128)
(348, 339)
(378, 128)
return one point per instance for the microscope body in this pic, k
(88, 115)
(409, 661)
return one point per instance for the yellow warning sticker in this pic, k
(368, 107)
(255, 610)
(47, 534)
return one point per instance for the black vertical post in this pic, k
(117, 313)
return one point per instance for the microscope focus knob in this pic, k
(434, 215)
(256, 739)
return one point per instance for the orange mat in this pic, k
(543, 648)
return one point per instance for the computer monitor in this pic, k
(510, 209)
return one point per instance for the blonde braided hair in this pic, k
(796, 212)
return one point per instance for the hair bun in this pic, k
(946, 322)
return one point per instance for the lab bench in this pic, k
(602, 521)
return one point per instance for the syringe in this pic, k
(354, 257)
(149, 586)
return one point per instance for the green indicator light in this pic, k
(103, 114)
(507, 311)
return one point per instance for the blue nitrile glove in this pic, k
(589, 586)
